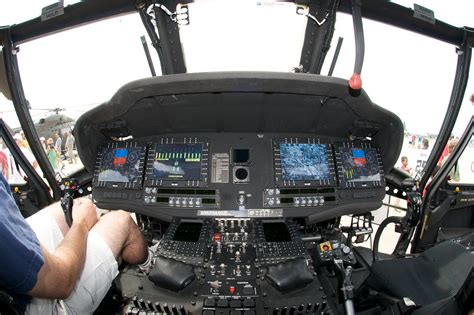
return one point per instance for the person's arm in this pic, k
(62, 268)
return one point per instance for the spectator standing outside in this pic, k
(53, 155)
(454, 172)
(4, 167)
(58, 143)
(404, 167)
(29, 156)
(70, 147)
(58, 147)
(24, 142)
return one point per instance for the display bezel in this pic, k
(137, 183)
(278, 171)
(203, 180)
(343, 182)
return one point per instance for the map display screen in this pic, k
(302, 161)
(120, 165)
(178, 161)
(360, 165)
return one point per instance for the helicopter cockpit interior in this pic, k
(239, 179)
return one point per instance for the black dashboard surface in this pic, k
(239, 144)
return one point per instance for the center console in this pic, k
(236, 266)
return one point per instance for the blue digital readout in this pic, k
(360, 165)
(121, 153)
(120, 165)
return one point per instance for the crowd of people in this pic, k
(53, 148)
(454, 174)
(54, 152)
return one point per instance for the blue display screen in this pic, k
(360, 165)
(121, 153)
(304, 161)
(120, 165)
(177, 161)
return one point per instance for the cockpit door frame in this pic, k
(20, 103)
(43, 195)
(432, 212)
(459, 88)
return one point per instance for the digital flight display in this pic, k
(120, 165)
(178, 161)
(360, 165)
(276, 232)
(188, 232)
(304, 161)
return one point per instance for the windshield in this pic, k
(68, 73)
(252, 36)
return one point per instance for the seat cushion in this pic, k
(438, 273)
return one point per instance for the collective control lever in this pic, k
(68, 186)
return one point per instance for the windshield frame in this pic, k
(92, 11)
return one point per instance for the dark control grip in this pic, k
(66, 203)
(290, 275)
(171, 274)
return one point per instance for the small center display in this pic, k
(304, 161)
(120, 165)
(177, 161)
(360, 165)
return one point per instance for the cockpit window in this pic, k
(242, 35)
(67, 74)
(408, 74)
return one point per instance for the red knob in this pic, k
(355, 82)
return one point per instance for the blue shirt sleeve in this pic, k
(20, 249)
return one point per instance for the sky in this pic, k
(406, 73)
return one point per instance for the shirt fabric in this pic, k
(53, 158)
(70, 142)
(58, 143)
(20, 248)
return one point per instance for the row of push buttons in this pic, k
(308, 201)
(185, 202)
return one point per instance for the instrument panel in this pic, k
(239, 175)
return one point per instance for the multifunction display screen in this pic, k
(120, 165)
(188, 232)
(360, 165)
(276, 232)
(177, 161)
(304, 161)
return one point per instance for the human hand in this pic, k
(84, 211)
